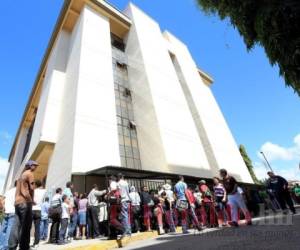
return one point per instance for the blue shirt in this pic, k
(44, 210)
(180, 188)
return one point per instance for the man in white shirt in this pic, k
(9, 217)
(123, 188)
(93, 211)
(39, 195)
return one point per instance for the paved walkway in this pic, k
(268, 233)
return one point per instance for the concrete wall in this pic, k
(167, 135)
(88, 137)
(219, 143)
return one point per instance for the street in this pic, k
(256, 237)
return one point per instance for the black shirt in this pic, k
(276, 183)
(145, 198)
(229, 184)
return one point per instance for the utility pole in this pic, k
(267, 161)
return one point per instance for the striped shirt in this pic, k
(219, 190)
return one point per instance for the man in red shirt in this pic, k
(20, 233)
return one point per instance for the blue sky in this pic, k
(260, 110)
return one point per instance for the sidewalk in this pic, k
(104, 244)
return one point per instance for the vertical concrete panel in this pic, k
(95, 136)
(180, 144)
(207, 114)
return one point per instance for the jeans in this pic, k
(44, 229)
(63, 229)
(93, 222)
(73, 224)
(125, 217)
(36, 216)
(6, 229)
(20, 232)
(237, 202)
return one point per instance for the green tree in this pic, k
(248, 163)
(273, 24)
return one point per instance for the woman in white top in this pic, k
(135, 208)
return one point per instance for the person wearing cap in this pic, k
(168, 205)
(24, 199)
(207, 206)
(235, 199)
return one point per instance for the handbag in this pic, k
(150, 203)
(182, 205)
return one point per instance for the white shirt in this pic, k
(135, 198)
(124, 190)
(10, 201)
(65, 211)
(38, 198)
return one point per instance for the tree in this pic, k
(248, 163)
(273, 24)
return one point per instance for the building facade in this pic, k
(113, 90)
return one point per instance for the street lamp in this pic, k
(266, 161)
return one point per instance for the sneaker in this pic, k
(33, 247)
(185, 232)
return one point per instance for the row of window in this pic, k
(128, 144)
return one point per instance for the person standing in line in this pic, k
(9, 217)
(168, 205)
(147, 203)
(69, 192)
(93, 211)
(65, 217)
(279, 186)
(82, 208)
(39, 195)
(20, 233)
(207, 206)
(220, 200)
(136, 207)
(44, 219)
(55, 211)
(235, 199)
(123, 188)
(192, 206)
(182, 203)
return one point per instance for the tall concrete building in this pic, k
(113, 90)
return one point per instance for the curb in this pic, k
(111, 244)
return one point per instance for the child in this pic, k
(65, 216)
(82, 208)
(44, 219)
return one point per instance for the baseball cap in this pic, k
(32, 163)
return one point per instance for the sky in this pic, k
(261, 112)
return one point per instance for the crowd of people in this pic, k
(120, 209)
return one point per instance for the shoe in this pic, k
(233, 224)
(185, 232)
(249, 223)
(33, 247)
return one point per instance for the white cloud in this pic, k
(275, 152)
(284, 160)
(4, 164)
(260, 170)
